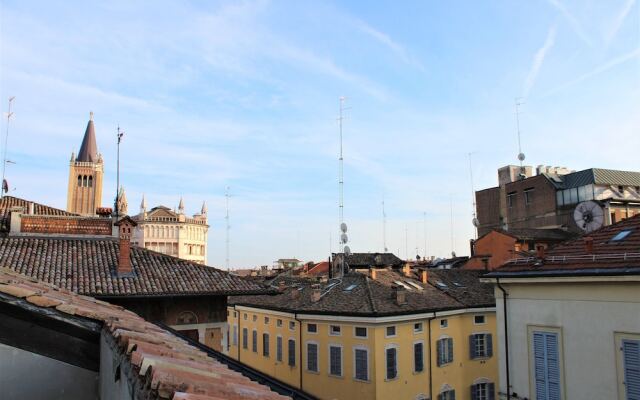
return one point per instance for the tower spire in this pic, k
(88, 149)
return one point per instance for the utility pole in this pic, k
(119, 135)
(5, 185)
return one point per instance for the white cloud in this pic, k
(386, 40)
(573, 22)
(619, 20)
(538, 59)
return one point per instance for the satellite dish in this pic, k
(475, 222)
(347, 251)
(343, 227)
(453, 254)
(344, 238)
(521, 156)
(588, 216)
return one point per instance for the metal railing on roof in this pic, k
(581, 257)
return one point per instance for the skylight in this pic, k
(350, 288)
(620, 236)
(415, 285)
(442, 285)
(458, 284)
(404, 285)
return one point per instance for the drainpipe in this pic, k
(430, 363)
(506, 334)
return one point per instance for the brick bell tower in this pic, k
(86, 171)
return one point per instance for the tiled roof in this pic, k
(367, 260)
(165, 366)
(7, 202)
(376, 297)
(607, 257)
(87, 266)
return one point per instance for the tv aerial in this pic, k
(588, 216)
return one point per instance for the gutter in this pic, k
(506, 334)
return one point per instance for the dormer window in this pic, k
(620, 236)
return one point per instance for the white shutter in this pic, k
(631, 353)
(546, 365)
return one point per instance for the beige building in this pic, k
(84, 193)
(169, 232)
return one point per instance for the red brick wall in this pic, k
(497, 246)
(488, 210)
(542, 210)
(65, 225)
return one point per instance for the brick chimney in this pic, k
(374, 274)
(401, 295)
(540, 251)
(125, 229)
(588, 245)
(282, 286)
(424, 277)
(295, 294)
(406, 270)
(316, 291)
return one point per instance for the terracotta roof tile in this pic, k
(166, 366)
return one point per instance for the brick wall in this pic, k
(488, 210)
(65, 225)
(540, 212)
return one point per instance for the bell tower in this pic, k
(86, 171)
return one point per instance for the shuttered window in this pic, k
(445, 351)
(631, 360)
(480, 345)
(292, 353)
(418, 357)
(279, 348)
(265, 344)
(235, 335)
(245, 338)
(335, 360)
(447, 395)
(392, 362)
(546, 365)
(483, 391)
(362, 364)
(254, 341)
(312, 357)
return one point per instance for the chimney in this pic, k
(588, 245)
(540, 251)
(295, 294)
(406, 270)
(125, 229)
(401, 296)
(316, 290)
(424, 277)
(282, 286)
(374, 273)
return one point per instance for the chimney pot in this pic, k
(588, 244)
(374, 274)
(316, 291)
(125, 226)
(540, 251)
(295, 294)
(424, 277)
(401, 296)
(407, 270)
(281, 286)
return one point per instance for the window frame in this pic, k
(444, 323)
(415, 343)
(337, 346)
(292, 325)
(355, 370)
(484, 319)
(420, 330)
(291, 361)
(266, 347)
(254, 340)
(445, 347)
(314, 332)
(366, 332)
(278, 323)
(388, 347)
(307, 358)
(528, 196)
(279, 348)
(386, 331)
(485, 354)
(245, 338)
(530, 351)
(331, 333)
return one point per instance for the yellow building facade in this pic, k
(339, 356)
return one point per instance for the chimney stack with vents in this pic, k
(406, 270)
(374, 274)
(588, 245)
(540, 251)
(125, 229)
(401, 295)
(316, 291)
(424, 277)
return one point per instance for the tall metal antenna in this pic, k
(406, 242)
(5, 185)
(228, 227)
(519, 102)
(416, 238)
(343, 227)
(119, 136)
(453, 251)
(384, 228)
(474, 220)
(424, 217)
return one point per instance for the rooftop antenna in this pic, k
(343, 227)
(384, 228)
(5, 185)
(424, 223)
(119, 135)
(228, 227)
(453, 252)
(416, 237)
(474, 220)
(519, 102)
(406, 242)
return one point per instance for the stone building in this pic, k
(84, 193)
(174, 233)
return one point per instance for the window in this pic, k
(418, 357)
(361, 364)
(266, 320)
(483, 391)
(279, 348)
(245, 338)
(186, 318)
(444, 323)
(255, 318)
(279, 323)
(79, 180)
(292, 353)
(360, 332)
(479, 319)
(391, 356)
(90, 181)
(631, 367)
(235, 335)
(620, 236)
(312, 357)
(254, 341)
(445, 351)
(391, 331)
(334, 330)
(265, 344)
(417, 327)
(447, 395)
(245, 316)
(335, 360)
(292, 325)
(528, 196)
(312, 328)
(546, 362)
(480, 345)
(511, 199)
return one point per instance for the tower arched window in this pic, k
(84, 181)
(90, 181)
(79, 180)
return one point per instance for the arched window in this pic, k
(90, 181)
(186, 318)
(84, 180)
(79, 180)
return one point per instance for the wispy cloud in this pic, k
(398, 49)
(575, 25)
(619, 20)
(598, 70)
(538, 60)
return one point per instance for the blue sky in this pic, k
(245, 94)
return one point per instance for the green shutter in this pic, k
(489, 345)
(472, 347)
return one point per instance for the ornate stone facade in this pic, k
(166, 231)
